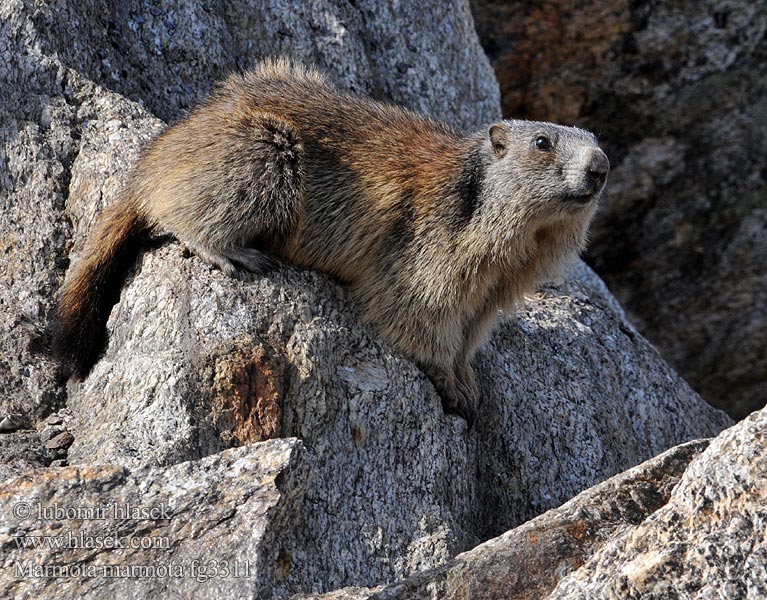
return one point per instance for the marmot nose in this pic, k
(598, 167)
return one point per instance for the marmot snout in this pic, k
(431, 230)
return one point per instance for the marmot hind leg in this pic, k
(257, 203)
(231, 259)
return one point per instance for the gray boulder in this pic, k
(708, 541)
(210, 529)
(529, 561)
(690, 523)
(166, 56)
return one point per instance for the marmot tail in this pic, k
(93, 285)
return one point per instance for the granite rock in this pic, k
(527, 563)
(211, 528)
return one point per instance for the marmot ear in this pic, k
(498, 138)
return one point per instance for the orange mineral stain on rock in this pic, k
(577, 530)
(248, 387)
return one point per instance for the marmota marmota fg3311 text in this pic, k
(431, 230)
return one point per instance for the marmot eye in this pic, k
(542, 143)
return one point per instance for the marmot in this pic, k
(432, 231)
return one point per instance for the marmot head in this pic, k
(541, 171)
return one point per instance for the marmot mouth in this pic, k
(579, 198)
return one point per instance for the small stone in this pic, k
(54, 419)
(61, 441)
(10, 423)
(49, 433)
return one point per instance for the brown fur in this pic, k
(431, 230)
(93, 285)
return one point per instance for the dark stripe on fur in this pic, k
(398, 240)
(469, 185)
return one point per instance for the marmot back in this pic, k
(431, 230)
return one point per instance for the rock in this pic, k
(60, 441)
(528, 562)
(54, 425)
(678, 95)
(58, 418)
(21, 451)
(49, 109)
(50, 432)
(571, 364)
(167, 56)
(33, 174)
(540, 78)
(212, 528)
(350, 593)
(706, 542)
(690, 523)
(11, 423)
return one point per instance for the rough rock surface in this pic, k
(207, 529)
(678, 94)
(167, 55)
(528, 562)
(708, 541)
(21, 451)
(690, 523)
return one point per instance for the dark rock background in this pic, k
(677, 92)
